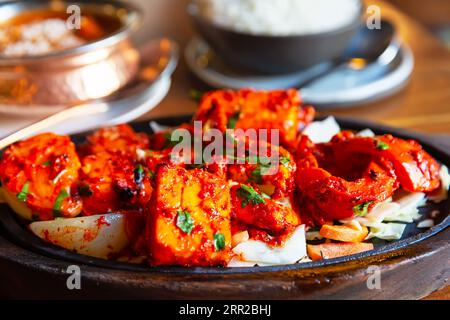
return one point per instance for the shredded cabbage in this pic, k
(386, 231)
(379, 220)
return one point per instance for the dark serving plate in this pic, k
(178, 282)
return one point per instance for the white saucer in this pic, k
(125, 111)
(344, 86)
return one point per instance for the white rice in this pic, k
(280, 17)
(37, 38)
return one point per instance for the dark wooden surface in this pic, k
(25, 274)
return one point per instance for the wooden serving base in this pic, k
(410, 273)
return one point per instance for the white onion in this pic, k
(97, 236)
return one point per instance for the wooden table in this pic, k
(424, 105)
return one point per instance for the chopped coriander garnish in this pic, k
(169, 142)
(154, 154)
(47, 163)
(195, 95)
(139, 174)
(85, 191)
(248, 194)
(184, 221)
(380, 145)
(219, 241)
(285, 160)
(151, 174)
(259, 172)
(63, 194)
(23, 194)
(233, 120)
(362, 209)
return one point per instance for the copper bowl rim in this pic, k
(132, 23)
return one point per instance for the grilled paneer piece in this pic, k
(121, 138)
(39, 177)
(189, 219)
(111, 182)
(246, 109)
(252, 208)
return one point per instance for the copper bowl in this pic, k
(61, 78)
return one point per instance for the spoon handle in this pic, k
(46, 123)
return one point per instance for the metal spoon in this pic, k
(367, 47)
(160, 58)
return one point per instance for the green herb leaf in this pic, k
(380, 145)
(63, 194)
(154, 154)
(285, 160)
(139, 175)
(219, 241)
(248, 194)
(259, 172)
(47, 163)
(362, 209)
(169, 142)
(184, 221)
(195, 95)
(23, 194)
(85, 191)
(233, 120)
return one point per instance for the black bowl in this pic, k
(274, 54)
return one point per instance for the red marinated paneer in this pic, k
(246, 109)
(42, 173)
(121, 138)
(189, 219)
(255, 210)
(112, 182)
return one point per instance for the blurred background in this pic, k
(424, 105)
(169, 17)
